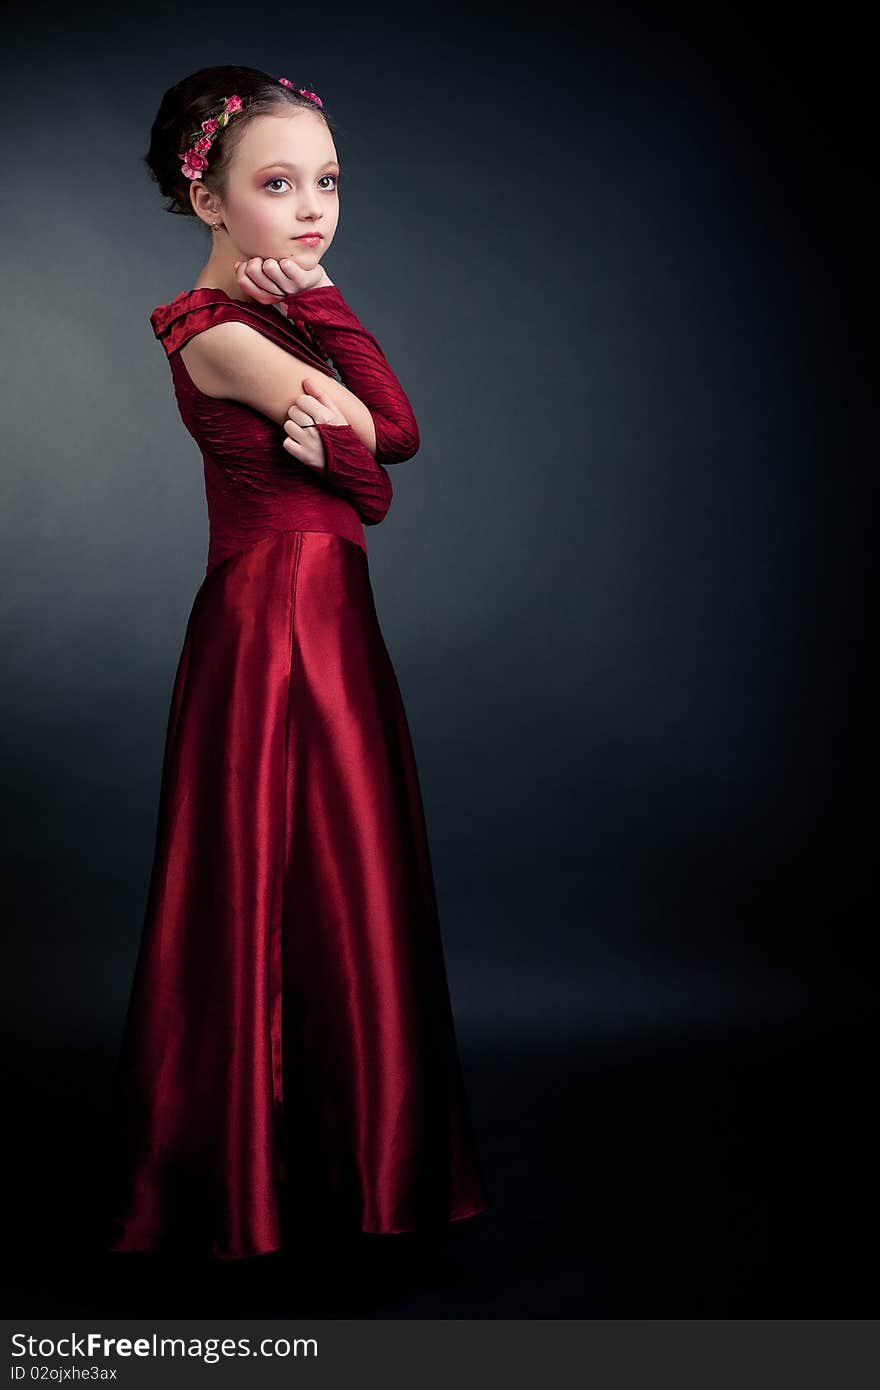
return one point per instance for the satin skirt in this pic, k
(288, 1053)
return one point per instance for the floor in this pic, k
(677, 1176)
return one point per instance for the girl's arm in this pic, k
(351, 470)
(322, 313)
(234, 361)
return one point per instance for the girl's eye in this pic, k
(280, 179)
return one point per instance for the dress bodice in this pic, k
(253, 486)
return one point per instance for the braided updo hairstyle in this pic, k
(192, 100)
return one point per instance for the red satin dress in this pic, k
(288, 1053)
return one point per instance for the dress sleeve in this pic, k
(322, 314)
(353, 471)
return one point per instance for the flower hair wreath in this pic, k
(194, 161)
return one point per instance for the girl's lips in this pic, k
(309, 236)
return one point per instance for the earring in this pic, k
(215, 226)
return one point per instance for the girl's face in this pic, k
(282, 181)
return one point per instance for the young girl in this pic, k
(289, 1054)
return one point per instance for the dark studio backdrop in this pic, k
(622, 258)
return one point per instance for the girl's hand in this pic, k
(313, 405)
(269, 280)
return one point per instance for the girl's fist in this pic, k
(268, 280)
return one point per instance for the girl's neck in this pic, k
(218, 274)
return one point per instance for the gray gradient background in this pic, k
(621, 277)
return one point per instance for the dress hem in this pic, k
(277, 1249)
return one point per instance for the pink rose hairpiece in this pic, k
(310, 96)
(195, 160)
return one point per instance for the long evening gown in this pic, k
(289, 1050)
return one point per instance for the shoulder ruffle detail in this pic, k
(193, 311)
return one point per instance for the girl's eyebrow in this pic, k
(285, 164)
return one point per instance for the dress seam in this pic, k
(285, 531)
(277, 1021)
